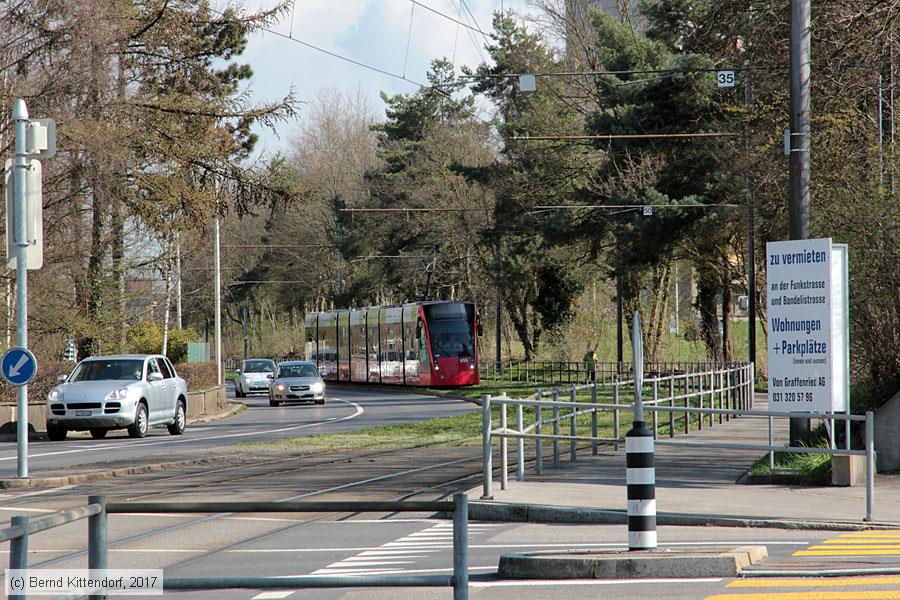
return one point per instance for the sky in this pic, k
(374, 32)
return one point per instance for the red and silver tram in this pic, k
(431, 344)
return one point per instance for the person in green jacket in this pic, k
(590, 366)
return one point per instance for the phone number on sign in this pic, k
(792, 397)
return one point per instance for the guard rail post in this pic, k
(771, 444)
(504, 447)
(671, 402)
(520, 444)
(722, 418)
(556, 427)
(687, 403)
(18, 549)
(97, 539)
(572, 424)
(700, 400)
(487, 458)
(594, 419)
(655, 398)
(538, 442)
(870, 464)
(616, 413)
(460, 547)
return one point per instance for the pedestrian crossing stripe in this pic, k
(847, 552)
(858, 543)
(814, 595)
(809, 582)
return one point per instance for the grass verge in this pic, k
(811, 469)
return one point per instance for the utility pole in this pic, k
(178, 279)
(751, 241)
(217, 259)
(798, 205)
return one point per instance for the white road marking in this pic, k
(272, 595)
(565, 582)
(36, 492)
(189, 439)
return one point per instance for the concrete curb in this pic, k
(653, 564)
(540, 513)
(234, 409)
(42, 482)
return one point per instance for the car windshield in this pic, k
(258, 366)
(108, 370)
(297, 371)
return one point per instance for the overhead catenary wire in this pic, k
(448, 17)
(623, 136)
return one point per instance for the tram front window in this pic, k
(452, 330)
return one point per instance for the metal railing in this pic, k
(690, 400)
(98, 509)
(21, 528)
(578, 372)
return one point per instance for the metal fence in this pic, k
(686, 401)
(579, 373)
(98, 509)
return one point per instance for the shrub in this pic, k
(146, 338)
(44, 381)
(199, 376)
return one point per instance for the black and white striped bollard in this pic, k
(640, 473)
(641, 479)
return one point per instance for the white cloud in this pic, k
(373, 32)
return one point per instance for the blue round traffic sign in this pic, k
(18, 366)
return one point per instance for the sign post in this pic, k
(808, 325)
(35, 139)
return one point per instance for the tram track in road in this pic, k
(431, 486)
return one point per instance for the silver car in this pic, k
(296, 380)
(131, 391)
(253, 376)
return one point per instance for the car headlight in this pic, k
(280, 387)
(118, 394)
(317, 388)
(55, 395)
(247, 380)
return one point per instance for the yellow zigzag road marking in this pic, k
(809, 582)
(814, 595)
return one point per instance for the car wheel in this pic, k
(56, 433)
(138, 429)
(320, 401)
(239, 394)
(177, 426)
(98, 434)
(273, 402)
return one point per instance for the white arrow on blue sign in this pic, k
(19, 366)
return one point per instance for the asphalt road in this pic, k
(280, 544)
(347, 408)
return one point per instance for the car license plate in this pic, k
(82, 413)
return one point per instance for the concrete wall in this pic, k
(887, 436)
(199, 403)
(206, 402)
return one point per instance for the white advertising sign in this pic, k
(807, 311)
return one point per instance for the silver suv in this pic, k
(130, 391)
